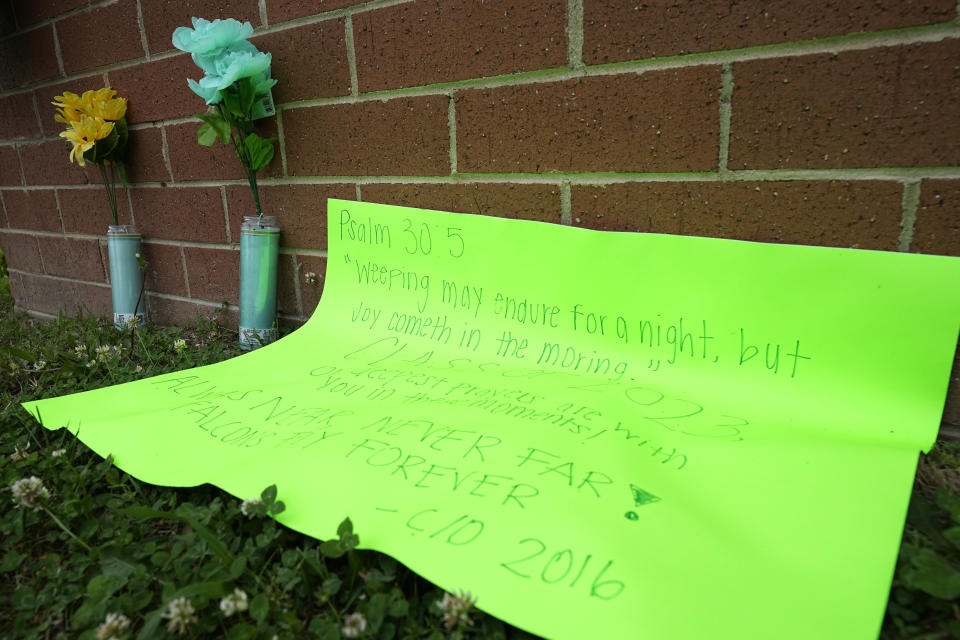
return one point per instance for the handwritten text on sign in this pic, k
(590, 431)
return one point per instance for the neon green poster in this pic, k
(601, 435)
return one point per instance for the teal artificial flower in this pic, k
(208, 61)
(208, 37)
(234, 66)
(210, 95)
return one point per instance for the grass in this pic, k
(93, 541)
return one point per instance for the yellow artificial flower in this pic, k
(99, 95)
(107, 109)
(70, 107)
(84, 134)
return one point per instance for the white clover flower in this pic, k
(236, 601)
(104, 353)
(133, 322)
(20, 454)
(179, 345)
(354, 625)
(247, 506)
(56, 453)
(29, 492)
(113, 627)
(180, 614)
(81, 350)
(39, 364)
(139, 369)
(456, 609)
(310, 277)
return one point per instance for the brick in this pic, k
(404, 136)
(618, 31)
(884, 107)
(95, 299)
(937, 229)
(72, 258)
(193, 214)
(300, 209)
(10, 167)
(18, 118)
(48, 163)
(28, 57)
(282, 10)
(21, 251)
(161, 17)
(286, 285)
(310, 292)
(309, 61)
(516, 201)
(33, 11)
(32, 209)
(164, 268)
(48, 295)
(214, 274)
(158, 90)
(83, 43)
(168, 311)
(863, 215)
(951, 411)
(657, 121)
(46, 94)
(421, 43)
(189, 160)
(145, 157)
(86, 210)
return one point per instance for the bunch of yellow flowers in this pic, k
(95, 121)
(98, 130)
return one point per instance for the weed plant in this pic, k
(89, 552)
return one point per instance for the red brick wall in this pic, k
(834, 123)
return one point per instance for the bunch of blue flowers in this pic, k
(237, 84)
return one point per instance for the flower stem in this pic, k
(64, 527)
(239, 144)
(109, 180)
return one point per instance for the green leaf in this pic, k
(345, 528)
(269, 495)
(117, 567)
(207, 590)
(331, 585)
(290, 557)
(948, 502)
(376, 611)
(237, 567)
(277, 508)
(398, 607)
(332, 549)
(99, 590)
(206, 135)
(259, 150)
(259, 607)
(932, 574)
(247, 92)
(123, 134)
(103, 149)
(242, 631)
(152, 626)
(18, 353)
(11, 560)
(218, 126)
